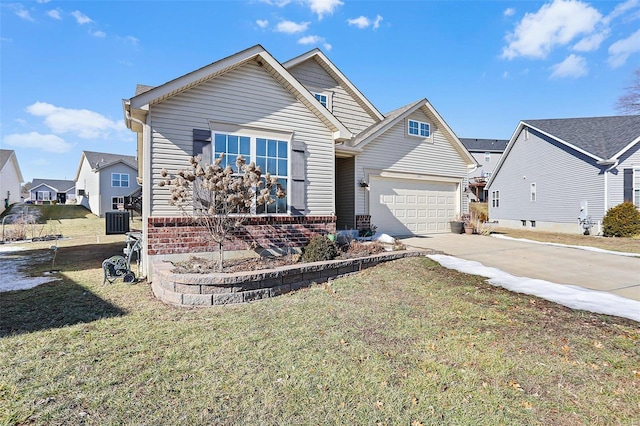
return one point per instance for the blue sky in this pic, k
(484, 65)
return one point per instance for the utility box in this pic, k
(116, 222)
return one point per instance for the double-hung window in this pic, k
(119, 180)
(117, 203)
(495, 199)
(267, 149)
(533, 192)
(43, 196)
(418, 128)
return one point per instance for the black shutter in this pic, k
(297, 194)
(628, 185)
(202, 144)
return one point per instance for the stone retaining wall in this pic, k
(191, 290)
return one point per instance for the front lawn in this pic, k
(407, 342)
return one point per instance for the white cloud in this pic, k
(279, 3)
(55, 14)
(262, 23)
(48, 143)
(132, 40)
(81, 122)
(620, 9)
(360, 22)
(100, 34)
(291, 27)
(323, 7)
(592, 42)
(555, 24)
(620, 51)
(509, 12)
(364, 22)
(81, 18)
(43, 1)
(313, 39)
(573, 66)
(23, 13)
(376, 23)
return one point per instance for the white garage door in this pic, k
(406, 207)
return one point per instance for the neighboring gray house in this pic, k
(343, 163)
(46, 191)
(104, 180)
(10, 179)
(487, 153)
(555, 171)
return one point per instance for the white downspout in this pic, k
(612, 164)
(146, 152)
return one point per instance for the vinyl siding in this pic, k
(629, 160)
(563, 179)
(107, 192)
(10, 182)
(345, 192)
(394, 151)
(343, 105)
(90, 182)
(485, 166)
(249, 96)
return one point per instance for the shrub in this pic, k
(319, 248)
(622, 220)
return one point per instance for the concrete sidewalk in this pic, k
(616, 274)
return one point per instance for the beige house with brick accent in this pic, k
(340, 160)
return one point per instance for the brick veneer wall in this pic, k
(179, 235)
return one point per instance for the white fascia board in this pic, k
(580, 150)
(617, 155)
(514, 136)
(336, 74)
(14, 159)
(463, 149)
(181, 83)
(383, 127)
(82, 157)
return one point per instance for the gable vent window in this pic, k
(418, 128)
(487, 157)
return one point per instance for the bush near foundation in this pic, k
(622, 220)
(320, 248)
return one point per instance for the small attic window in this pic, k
(418, 128)
(324, 99)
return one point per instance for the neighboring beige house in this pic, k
(104, 180)
(10, 178)
(343, 163)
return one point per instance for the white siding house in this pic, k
(104, 180)
(10, 178)
(46, 191)
(555, 171)
(337, 156)
(487, 153)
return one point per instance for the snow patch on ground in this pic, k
(11, 263)
(587, 248)
(567, 295)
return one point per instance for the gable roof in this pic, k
(485, 145)
(55, 184)
(7, 155)
(100, 160)
(398, 115)
(136, 107)
(338, 76)
(602, 138)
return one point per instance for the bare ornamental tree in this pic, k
(629, 102)
(220, 199)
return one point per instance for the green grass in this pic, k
(407, 342)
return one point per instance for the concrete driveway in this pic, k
(616, 274)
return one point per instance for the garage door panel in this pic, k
(403, 206)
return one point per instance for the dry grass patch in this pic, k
(407, 342)
(629, 245)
